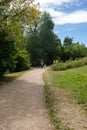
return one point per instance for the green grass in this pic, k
(73, 81)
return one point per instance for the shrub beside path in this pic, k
(22, 103)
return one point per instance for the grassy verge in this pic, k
(51, 101)
(73, 81)
(8, 77)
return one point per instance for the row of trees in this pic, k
(73, 50)
(27, 38)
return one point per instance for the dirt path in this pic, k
(71, 114)
(22, 103)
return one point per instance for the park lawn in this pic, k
(74, 80)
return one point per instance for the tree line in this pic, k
(46, 47)
(27, 38)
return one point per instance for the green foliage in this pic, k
(73, 50)
(69, 64)
(4, 5)
(6, 52)
(47, 39)
(34, 49)
(22, 60)
(78, 51)
(19, 16)
(58, 49)
(45, 46)
(13, 20)
(68, 41)
(42, 42)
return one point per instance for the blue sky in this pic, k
(69, 16)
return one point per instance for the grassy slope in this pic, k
(74, 80)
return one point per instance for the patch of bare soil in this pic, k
(22, 103)
(71, 114)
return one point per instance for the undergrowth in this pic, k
(69, 64)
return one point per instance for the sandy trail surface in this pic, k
(22, 103)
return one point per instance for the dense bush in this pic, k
(6, 52)
(69, 64)
(22, 60)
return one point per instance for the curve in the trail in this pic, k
(22, 103)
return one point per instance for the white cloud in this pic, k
(79, 16)
(72, 18)
(70, 29)
(57, 2)
(45, 3)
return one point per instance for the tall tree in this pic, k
(33, 46)
(47, 38)
(67, 41)
(42, 42)
(67, 48)
(59, 48)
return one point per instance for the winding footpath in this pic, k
(22, 103)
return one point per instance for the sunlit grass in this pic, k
(74, 80)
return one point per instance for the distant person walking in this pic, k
(44, 66)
